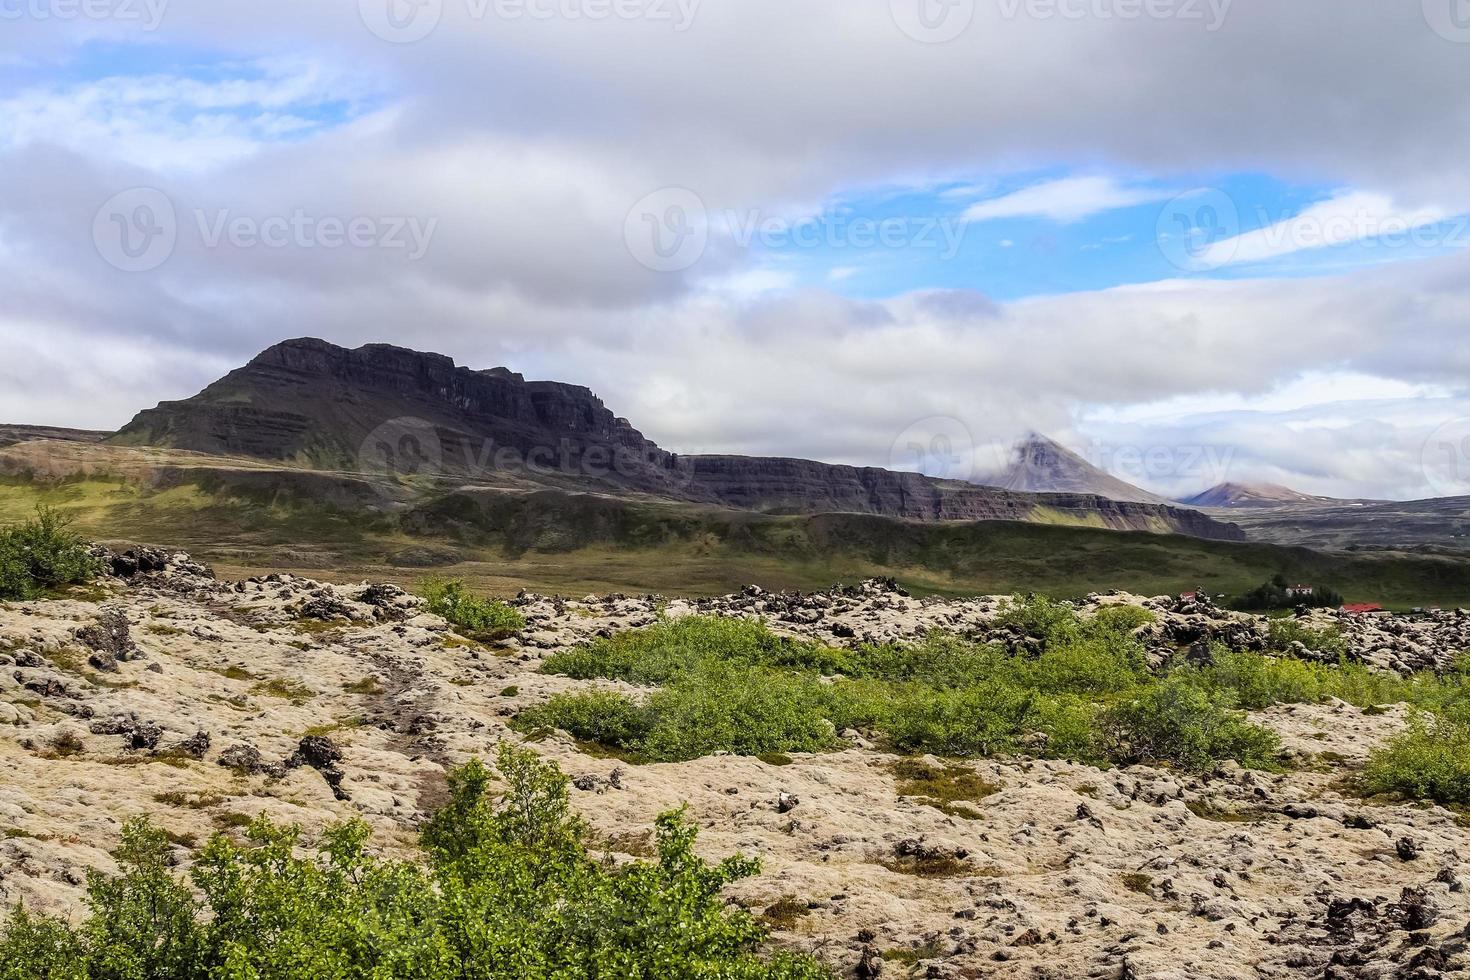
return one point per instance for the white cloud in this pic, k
(1066, 199)
(529, 141)
(1350, 216)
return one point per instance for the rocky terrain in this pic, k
(202, 703)
(12, 434)
(394, 412)
(1441, 524)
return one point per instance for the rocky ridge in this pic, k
(387, 409)
(203, 703)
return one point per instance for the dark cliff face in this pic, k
(804, 486)
(390, 410)
(384, 408)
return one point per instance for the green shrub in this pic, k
(1038, 616)
(941, 659)
(979, 720)
(720, 709)
(479, 619)
(1430, 761)
(1122, 618)
(1186, 725)
(509, 891)
(1329, 641)
(1259, 682)
(672, 647)
(748, 712)
(594, 716)
(1093, 663)
(43, 553)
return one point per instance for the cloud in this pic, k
(1066, 199)
(529, 141)
(1348, 217)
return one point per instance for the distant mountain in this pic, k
(12, 434)
(389, 411)
(1253, 495)
(1041, 465)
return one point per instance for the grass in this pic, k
(945, 788)
(1137, 882)
(731, 685)
(485, 620)
(368, 685)
(784, 913)
(930, 866)
(188, 801)
(280, 687)
(722, 685)
(1207, 810)
(574, 544)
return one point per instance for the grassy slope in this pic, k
(574, 544)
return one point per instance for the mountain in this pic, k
(1252, 495)
(389, 411)
(1041, 465)
(12, 434)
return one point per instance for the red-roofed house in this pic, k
(1361, 608)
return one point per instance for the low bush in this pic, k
(1038, 616)
(1185, 725)
(980, 720)
(732, 686)
(1328, 641)
(673, 647)
(508, 891)
(477, 618)
(731, 709)
(43, 553)
(594, 716)
(1429, 761)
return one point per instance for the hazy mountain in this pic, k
(1253, 495)
(1042, 465)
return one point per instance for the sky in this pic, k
(1195, 240)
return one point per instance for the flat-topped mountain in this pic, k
(1252, 495)
(389, 410)
(1042, 465)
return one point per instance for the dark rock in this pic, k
(195, 746)
(110, 640)
(1414, 910)
(243, 757)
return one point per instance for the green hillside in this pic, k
(577, 543)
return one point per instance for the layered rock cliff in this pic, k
(405, 413)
